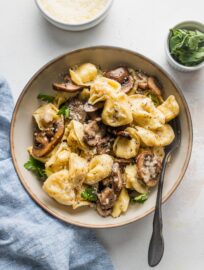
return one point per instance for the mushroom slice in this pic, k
(122, 76)
(128, 84)
(118, 74)
(141, 79)
(67, 86)
(117, 177)
(45, 141)
(107, 198)
(154, 86)
(124, 134)
(123, 161)
(149, 168)
(93, 108)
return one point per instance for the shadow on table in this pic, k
(71, 40)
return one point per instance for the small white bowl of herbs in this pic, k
(185, 46)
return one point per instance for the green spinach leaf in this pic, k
(89, 194)
(140, 198)
(187, 46)
(46, 98)
(36, 167)
(64, 110)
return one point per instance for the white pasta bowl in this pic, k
(22, 129)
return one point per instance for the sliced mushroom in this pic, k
(93, 133)
(107, 198)
(117, 177)
(154, 86)
(95, 136)
(123, 161)
(45, 141)
(67, 86)
(149, 168)
(92, 108)
(103, 212)
(141, 80)
(122, 76)
(124, 134)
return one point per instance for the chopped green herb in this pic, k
(140, 198)
(187, 46)
(45, 98)
(36, 167)
(89, 194)
(155, 99)
(64, 110)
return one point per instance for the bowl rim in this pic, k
(86, 23)
(187, 68)
(23, 180)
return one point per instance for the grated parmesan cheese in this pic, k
(73, 11)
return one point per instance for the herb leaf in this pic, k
(89, 194)
(36, 167)
(140, 198)
(64, 110)
(155, 99)
(46, 98)
(187, 46)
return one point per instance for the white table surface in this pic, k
(27, 42)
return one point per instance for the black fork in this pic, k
(156, 246)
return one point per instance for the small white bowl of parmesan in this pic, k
(74, 15)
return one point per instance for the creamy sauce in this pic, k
(73, 11)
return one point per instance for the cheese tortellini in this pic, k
(58, 187)
(160, 137)
(76, 135)
(121, 204)
(84, 74)
(99, 168)
(132, 180)
(59, 159)
(103, 89)
(145, 114)
(117, 111)
(78, 168)
(125, 147)
(100, 141)
(45, 115)
(169, 108)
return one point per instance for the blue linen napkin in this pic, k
(29, 237)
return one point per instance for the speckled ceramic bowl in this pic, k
(22, 128)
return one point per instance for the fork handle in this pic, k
(156, 246)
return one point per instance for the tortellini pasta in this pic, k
(59, 159)
(117, 111)
(159, 152)
(102, 89)
(145, 114)
(169, 108)
(75, 136)
(122, 203)
(160, 137)
(99, 168)
(45, 115)
(58, 187)
(78, 168)
(101, 140)
(62, 97)
(84, 74)
(132, 181)
(125, 147)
